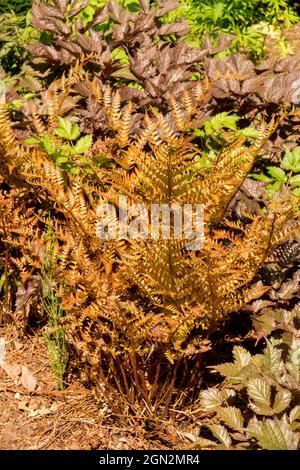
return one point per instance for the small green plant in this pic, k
(69, 151)
(53, 333)
(248, 20)
(14, 35)
(287, 174)
(213, 135)
(257, 405)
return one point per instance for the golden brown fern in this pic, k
(127, 301)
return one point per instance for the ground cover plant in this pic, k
(111, 100)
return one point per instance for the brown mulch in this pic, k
(73, 418)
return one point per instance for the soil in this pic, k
(47, 418)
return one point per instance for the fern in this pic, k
(136, 310)
(197, 289)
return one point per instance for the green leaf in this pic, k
(249, 132)
(231, 416)
(198, 132)
(271, 362)
(31, 141)
(296, 192)
(260, 392)
(120, 55)
(282, 400)
(203, 443)
(61, 159)
(295, 413)
(66, 150)
(75, 131)
(221, 121)
(241, 356)
(83, 144)
(273, 434)
(291, 160)
(265, 322)
(295, 180)
(228, 369)
(242, 359)
(220, 433)
(48, 144)
(211, 398)
(261, 177)
(218, 11)
(67, 129)
(272, 188)
(277, 173)
(293, 363)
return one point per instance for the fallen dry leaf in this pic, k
(12, 370)
(28, 380)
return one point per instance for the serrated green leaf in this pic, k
(272, 188)
(265, 322)
(261, 409)
(31, 141)
(291, 160)
(295, 413)
(220, 433)
(65, 128)
(83, 144)
(249, 132)
(203, 443)
(210, 399)
(75, 131)
(271, 361)
(228, 369)
(296, 192)
(48, 144)
(242, 357)
(282, 400)
(120, 54)
(61, 159)
(295, 180)
(277, 173)
(261, 177)
(231, 416)
(293, 362)
(221, 121)
(260, 392)
(273, 434)
(65, 149)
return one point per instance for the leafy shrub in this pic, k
(14, 35)
(257, 405)
(113, 101)
(286, 174)
(139, 306)
(145, 70)
(250, 21)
